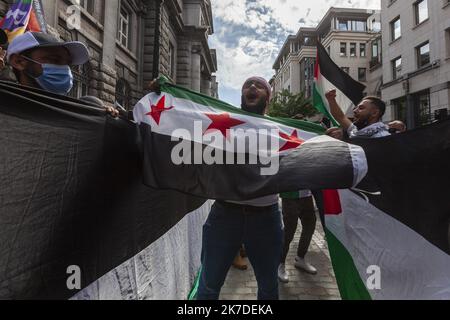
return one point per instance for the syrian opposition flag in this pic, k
(204, 147)
(390, 238)
(328, 76)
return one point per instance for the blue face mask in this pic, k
(55, 78)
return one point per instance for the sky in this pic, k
(248, 35)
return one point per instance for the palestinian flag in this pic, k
(72, 195)
(390, 238)
(218, 151)
(23, 15)
(328, 76)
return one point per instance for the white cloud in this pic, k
(250, 33)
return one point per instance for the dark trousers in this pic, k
(227, 228)
(294, 209)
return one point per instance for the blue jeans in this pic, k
(223, 234)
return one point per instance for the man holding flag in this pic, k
(367, 117)
(255, 223)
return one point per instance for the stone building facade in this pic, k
(131, 42)
(416, 59)
(347, 34)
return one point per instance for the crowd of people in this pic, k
(257, 225)
(256, 229)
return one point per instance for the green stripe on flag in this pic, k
(348, 279)
(193, 294)
(183, 93)
(320, 105)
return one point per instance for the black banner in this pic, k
(71, 194)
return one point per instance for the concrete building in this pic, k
(296, 57)
(347, 34)
(416, 59)
(131, 42)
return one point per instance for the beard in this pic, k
(258, 108)
(361, 123)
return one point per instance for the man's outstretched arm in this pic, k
(336, 111)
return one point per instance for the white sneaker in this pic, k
(304, 266)
(282, 274)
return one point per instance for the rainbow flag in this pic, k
(21, 17)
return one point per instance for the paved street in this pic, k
(241, 285)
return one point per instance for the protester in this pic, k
(367, 118)
(41, 61)
(256, 224)
(297, 205)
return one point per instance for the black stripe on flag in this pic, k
(412, 171)
(72, 194)
(311, 166)
(339, 78)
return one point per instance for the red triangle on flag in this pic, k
(331, 202)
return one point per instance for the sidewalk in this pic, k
(241, 285)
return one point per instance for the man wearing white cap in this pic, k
(39, 60)
(255, 223)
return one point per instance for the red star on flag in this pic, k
(158, 109)
(293, 141)
(222, 122)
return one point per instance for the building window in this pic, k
(123, 93)
(423, 54)
(81, 81)
(362, 74)
(424, 108)
(362, 49)
(375, 50)
(88, 5)
(396, 29)
(376, 26)
(343, 51)
(171, 61)
(421, 11)
(396, 68)
(376, 53)
(346, 69)
(351, 25)
(447, 42)
(400, 109)
(342, 25)
(352, 49)
(124, 27)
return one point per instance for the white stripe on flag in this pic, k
(323, 86)
(411, 267)
(186, 112)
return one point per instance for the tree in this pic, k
(288, 105)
